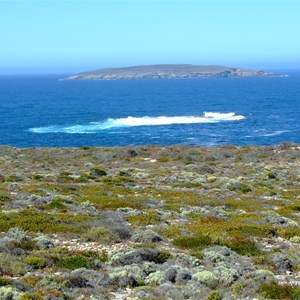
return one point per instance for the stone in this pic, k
(206, 277)
(135, 256)
(146, 236)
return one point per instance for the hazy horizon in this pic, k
(65, 37)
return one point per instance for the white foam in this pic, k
(274, 133)
(207, 117)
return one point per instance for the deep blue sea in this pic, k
(45, 111)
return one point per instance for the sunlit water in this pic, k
(44, 111)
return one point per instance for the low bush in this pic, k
(98, 172)
(56, 203)
(276, 291)
(196, 241)
(31, 296)
(36, 262)
(5, 281)
(243, 246)
(73, 262)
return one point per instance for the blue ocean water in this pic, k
(44, 111)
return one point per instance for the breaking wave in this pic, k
(94, 127)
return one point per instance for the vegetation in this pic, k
(92, 221)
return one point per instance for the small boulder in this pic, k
(146, 236)
(206, 277)
(136, 256)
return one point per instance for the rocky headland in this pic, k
(169, 72)
(150, 223)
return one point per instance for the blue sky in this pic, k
(70, 36)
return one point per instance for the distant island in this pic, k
(171, 71)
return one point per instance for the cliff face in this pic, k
(169, 72)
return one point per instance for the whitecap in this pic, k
(207, 117)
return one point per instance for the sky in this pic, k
(70, 36)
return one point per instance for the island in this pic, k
(169, 71)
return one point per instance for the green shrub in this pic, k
(163, 159)
(117, 180)
(5, 281)
(4, 198)
(271, 175)
(98, 234)
(243, 246)
(31, 296)
(198, 254)
(188, 242)
(9, 265)
(37, 221)
(99, 172)
(275, 291)
(214, 296)
(37, 177)
(24, 243)
(56, 203)
(35, 262)
(74, 262)
(245, 188)
(64, 177)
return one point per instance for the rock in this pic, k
(135, 256)
(226, 275)
(182, 276)
(170, 274)
(264, 275)
(9, 293)
(17, 233)
(276, 219)
(44, 242)
(281, 261)
(206, 277)
(38, 200)
(219, 253)
(155, 278)
(13, 186)
(2, 178)
(146, 236)
(16, 177)
(184, 261)
(132, 153)
(213, 256)
(295, 239)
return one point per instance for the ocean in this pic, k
(44, 111)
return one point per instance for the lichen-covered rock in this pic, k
(295, 239)
(170, 274)
(135, 256)
(44, 242)
(225, 274)
(13, 186)
(185, 261)
(281, 261)
(206, 277)
(213, 256)
(136, 271)
(38, 200)
(219, 253)
(276, 219)
(146, 236)
(17, 233)
(155, 278)
(9, 293)
(182, 276)
(263, 275)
